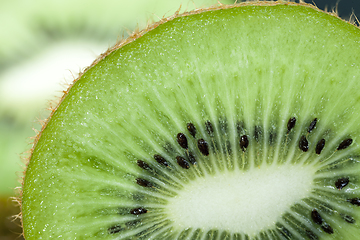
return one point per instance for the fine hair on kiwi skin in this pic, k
(170, 127)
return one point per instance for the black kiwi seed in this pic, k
(315, 216)
(143, 182)
(327, 228)
(209, 128)
(303, 144)
(161, 160)
(348, 218)
(138, 211)
(182, 162)
(354, 201)
(143, 165)
(191, 128)
(341, 183)
(115, 229)
(312, 125)
(191, 158)
(244, 142)
(344, 144)
(182, 140)
(291, 124)
(203, 147)
(320, 146)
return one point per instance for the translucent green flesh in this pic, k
(245, 70)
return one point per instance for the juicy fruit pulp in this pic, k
(251, 105)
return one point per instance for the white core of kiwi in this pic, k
(235, 200)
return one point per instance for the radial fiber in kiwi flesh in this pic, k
(235, 123)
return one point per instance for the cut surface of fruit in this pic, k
(237, 122)
(59, 36)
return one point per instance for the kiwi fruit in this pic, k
(42, 42)
(232, 122)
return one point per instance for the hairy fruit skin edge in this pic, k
(138, 35)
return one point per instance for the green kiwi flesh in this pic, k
(239, 122)
(30, 73)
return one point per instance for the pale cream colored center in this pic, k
(243, 202)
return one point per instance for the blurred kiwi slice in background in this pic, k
(44, 45)
(236, 122)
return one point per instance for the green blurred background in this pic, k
(43, 46)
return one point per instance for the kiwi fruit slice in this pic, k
(42, 42)
(232, 122)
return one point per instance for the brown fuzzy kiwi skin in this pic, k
(135, 35)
